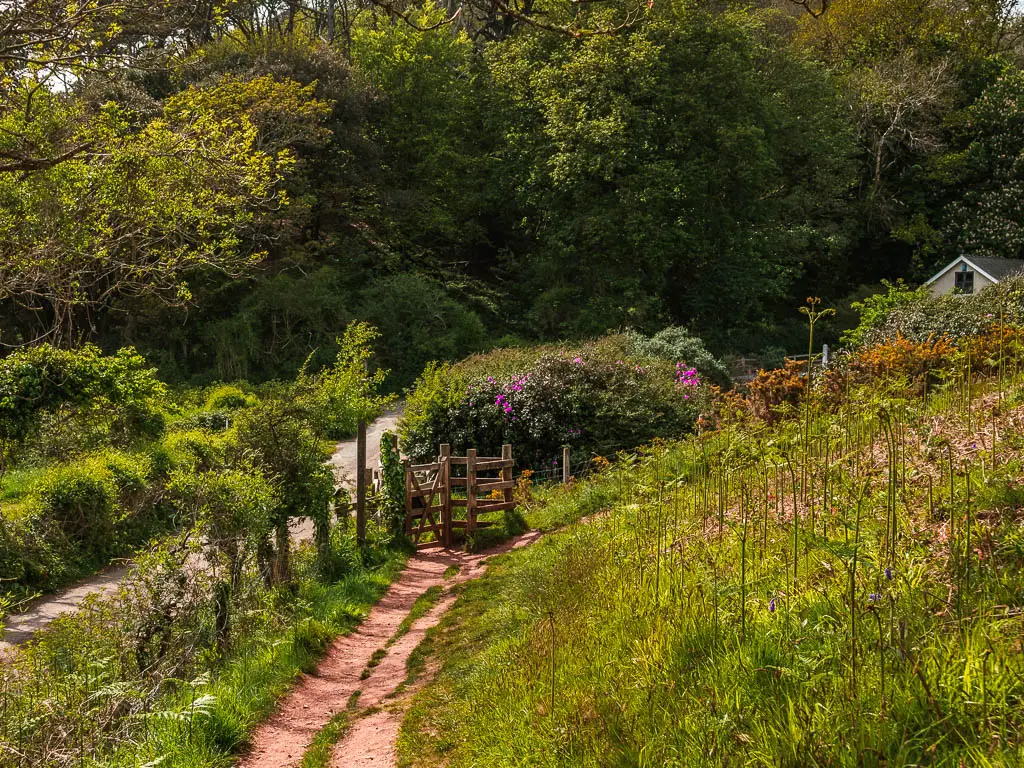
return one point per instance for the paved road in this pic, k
(343, 462)
(22, 626)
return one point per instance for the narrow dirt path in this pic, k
(284, 738)
(20, 627)
(371, 739)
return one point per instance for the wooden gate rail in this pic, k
(428, 490)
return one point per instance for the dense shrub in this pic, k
(79, 501)
(227, 398)
(918, 316)
(44, 378)
(194, 449)
(677, 344)
(596, 398)
(209, 421)
(240, 463)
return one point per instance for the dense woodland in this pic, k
(226, 185)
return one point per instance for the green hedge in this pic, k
(598, 398)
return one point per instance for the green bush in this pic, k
(131, 471)
(193, 449)
(74, 516)
(228, 398)
(44, 379)
(209, 421)
(344, 393)
(917, 315)
(677, 344)
(596, 398)
(78, 501)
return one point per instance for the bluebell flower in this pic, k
(771, 606)
(874, 597)
(888, 573)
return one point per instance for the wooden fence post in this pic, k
(565, 464)
(408, 498)
(506, 472)
(445, 460)
(361, 484)
(470, 491)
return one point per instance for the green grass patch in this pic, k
(319, 753)
(419, 609)
(696, 622)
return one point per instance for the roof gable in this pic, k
(994, 269)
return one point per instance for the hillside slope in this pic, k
(698, 621)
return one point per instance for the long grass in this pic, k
(833, 590)
(81, 695)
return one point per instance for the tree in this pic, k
(989, 219)
(48, 47)
(142, 210)
(683, 170)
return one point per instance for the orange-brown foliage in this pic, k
(902, 358)
(771, 391)
(986, 350)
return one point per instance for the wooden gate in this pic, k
(476, 484)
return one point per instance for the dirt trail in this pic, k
(20, 627)
(282, 740)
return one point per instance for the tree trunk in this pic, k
(284, 546)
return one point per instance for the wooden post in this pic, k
(408, 499)
(445, 470)
(565, 464)
(506, 472)
(470, 490)
(361, 485)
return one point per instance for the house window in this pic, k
(963, 282)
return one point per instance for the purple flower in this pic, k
(771, 606)
(888, 573)
(874, 597)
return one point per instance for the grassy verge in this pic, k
(245, 689)
(101, 681)
(843, 590)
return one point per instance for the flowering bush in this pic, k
(597, 399)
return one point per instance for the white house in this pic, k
(969, 275)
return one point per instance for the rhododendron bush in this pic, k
(597, 398)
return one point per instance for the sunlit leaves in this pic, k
(137, 212)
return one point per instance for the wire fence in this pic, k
(581, 464)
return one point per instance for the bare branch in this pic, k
(816, 8)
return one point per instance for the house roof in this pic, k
(994, 269)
